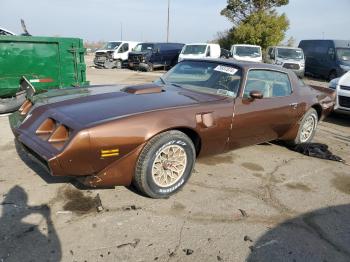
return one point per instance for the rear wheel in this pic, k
(165, 164)
(307, 128)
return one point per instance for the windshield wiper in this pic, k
(163, 81)
(177, 85)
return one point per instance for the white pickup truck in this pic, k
(342, 87)
(114, 54)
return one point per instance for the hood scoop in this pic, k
(143, 89)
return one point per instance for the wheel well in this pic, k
(193, 135)
(318, 109)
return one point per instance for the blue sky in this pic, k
(145, 20)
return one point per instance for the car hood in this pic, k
(104, 50)
(90, 106)
(247, 58)
(287, 60)
(192, 56)
(58, 95)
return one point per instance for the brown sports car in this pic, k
(151, 135)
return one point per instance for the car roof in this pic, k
(286, 47)
(247, 45)
(161, 43)
(241, 64)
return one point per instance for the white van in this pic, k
(342, 87)
(249, 53)
(114, 54)
(200, 50)
(287, 57)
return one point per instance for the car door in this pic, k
(124, 51)
(269, 118)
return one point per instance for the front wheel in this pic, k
(165, 164)
(307, 128)
(119, 64)
(109, 64)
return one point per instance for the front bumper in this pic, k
(343, 102)
(100, 60)
(300, 73)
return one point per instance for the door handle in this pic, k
(294, 105)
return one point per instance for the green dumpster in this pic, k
(46, 62)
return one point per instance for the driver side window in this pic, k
(208, 52)
(270, 83)
(124, 48)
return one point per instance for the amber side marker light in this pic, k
(24, 109)
(109, 153)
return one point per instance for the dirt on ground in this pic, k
(261, 203)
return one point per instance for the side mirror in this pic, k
(256, 94)
(157, 51)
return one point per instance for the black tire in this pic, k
(150, 68)
(109, 64)
(332, 75)
(119, 64)
(144, 179)
(311, 113)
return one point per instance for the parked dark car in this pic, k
(225, 53)
(148, 56)
(326, 58)
(151, 134)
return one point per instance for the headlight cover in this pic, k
(345, 67)
(333, 84)
(279, 62)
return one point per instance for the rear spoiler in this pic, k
(27, 87)
(326, 90)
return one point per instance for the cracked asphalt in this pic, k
(261, 203)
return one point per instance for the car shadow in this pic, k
(37, 168)
(321, 235)
(338, 119)
(22, 241)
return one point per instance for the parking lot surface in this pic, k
(261, 203)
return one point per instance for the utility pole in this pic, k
(168, 24)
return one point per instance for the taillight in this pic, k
(24, 109)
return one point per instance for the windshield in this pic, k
(288, 53)
(343, 54)
(251, 51)
(194, 49)
(143, 47)
(205, 77)
(112, 45)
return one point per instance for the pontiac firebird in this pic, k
(150, 135)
